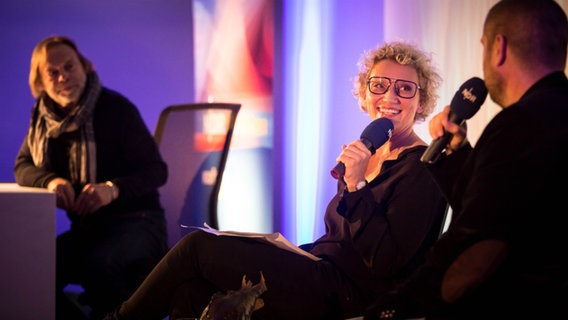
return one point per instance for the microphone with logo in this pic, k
(373, 137)
(465, 103)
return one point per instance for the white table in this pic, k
(27, 252)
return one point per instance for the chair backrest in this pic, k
(194, 141)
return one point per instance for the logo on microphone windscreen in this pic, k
(469, 98)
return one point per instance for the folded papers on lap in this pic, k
(275, 238)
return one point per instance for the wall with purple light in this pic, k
(146, 49)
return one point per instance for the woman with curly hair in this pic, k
(385, 215)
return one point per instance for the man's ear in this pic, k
(500, 49)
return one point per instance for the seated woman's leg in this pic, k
(298, 287)
(190, 298)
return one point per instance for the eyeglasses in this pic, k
(403, 88)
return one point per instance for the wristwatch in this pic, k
(360, 185)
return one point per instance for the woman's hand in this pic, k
(355, 156)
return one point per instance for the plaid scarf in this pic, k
(46, 123)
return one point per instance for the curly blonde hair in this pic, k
(405, 54)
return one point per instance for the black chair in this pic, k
(194, 141)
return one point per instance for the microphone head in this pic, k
(377, 133)
(469, 98)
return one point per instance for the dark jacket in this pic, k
(378, 235)
(126, 154)
(510, 188)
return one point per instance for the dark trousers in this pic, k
(109, 258)
(201, 264)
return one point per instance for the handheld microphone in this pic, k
(465, 103)
(375, 135)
